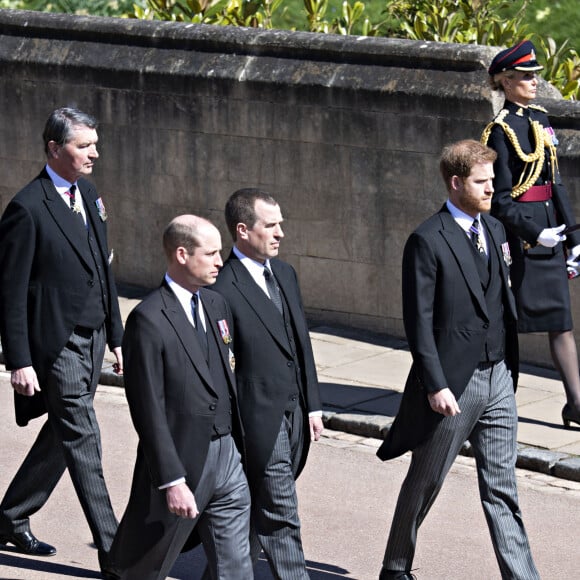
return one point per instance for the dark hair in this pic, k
(59, 125)
(240, 208)
(460, 157)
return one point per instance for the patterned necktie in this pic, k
(273, 289)
(199, 329)
(475, 235)
(75, 203)
(71, 196)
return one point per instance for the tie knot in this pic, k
(195, 299)
(74, 204)
(475, 226)
(267, 273)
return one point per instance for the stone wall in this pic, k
(344, 131)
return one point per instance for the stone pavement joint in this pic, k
(362, 376)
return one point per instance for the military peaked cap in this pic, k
(522, 56)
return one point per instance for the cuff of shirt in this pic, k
(172, 483)
(315, 413)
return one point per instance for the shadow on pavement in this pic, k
(48, 566)
(550, 424)
(354, 399)
(190, 566)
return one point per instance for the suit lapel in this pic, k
(287, 286)
(459, 245)
(497, 238)
(212, 316)
(185, 332)
(68, 223)
(259, 302)
(93, 218)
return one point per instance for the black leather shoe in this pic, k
(26, 543)
(396, 575)
(569, 415)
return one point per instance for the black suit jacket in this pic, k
(446, 321)
(173, 407)
(44, 278)
(264, 364)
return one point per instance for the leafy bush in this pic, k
(88, 7)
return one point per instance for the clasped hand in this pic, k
(549, 237)
(444, 402)
(181, 502)
(24, 381)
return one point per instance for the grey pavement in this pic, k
(346, 501)
(362, 376)
(347, 495)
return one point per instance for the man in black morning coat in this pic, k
(180, 385)
(58, 309)
(276, 376)
(459, 317)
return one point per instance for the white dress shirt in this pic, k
(63, 187)
(465, 221)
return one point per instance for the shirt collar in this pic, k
(183, 295)
(252, 265)
(60, 183)
(460, 217)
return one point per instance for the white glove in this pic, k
(572, 269)
(549, 237)
(575, 252)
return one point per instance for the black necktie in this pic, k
(200, 331)
(273, 289)
(475, 235)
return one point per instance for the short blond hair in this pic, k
(495, 80)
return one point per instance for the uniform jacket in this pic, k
(525, 220)
(44, 276)
(446, 320)
(264, 363)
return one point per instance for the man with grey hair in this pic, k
(180, 385)
(58, 310)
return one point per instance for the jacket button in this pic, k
(289, 363)
(91, 283)
(486, 325)
(212, 407)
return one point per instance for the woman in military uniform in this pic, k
(534, 207)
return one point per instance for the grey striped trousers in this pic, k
(488, 419)
(71, 439)
(275, 525)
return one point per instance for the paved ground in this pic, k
(362, 376)
(347, 497)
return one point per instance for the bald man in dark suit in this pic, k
(180, 385)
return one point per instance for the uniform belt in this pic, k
(537, 193)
